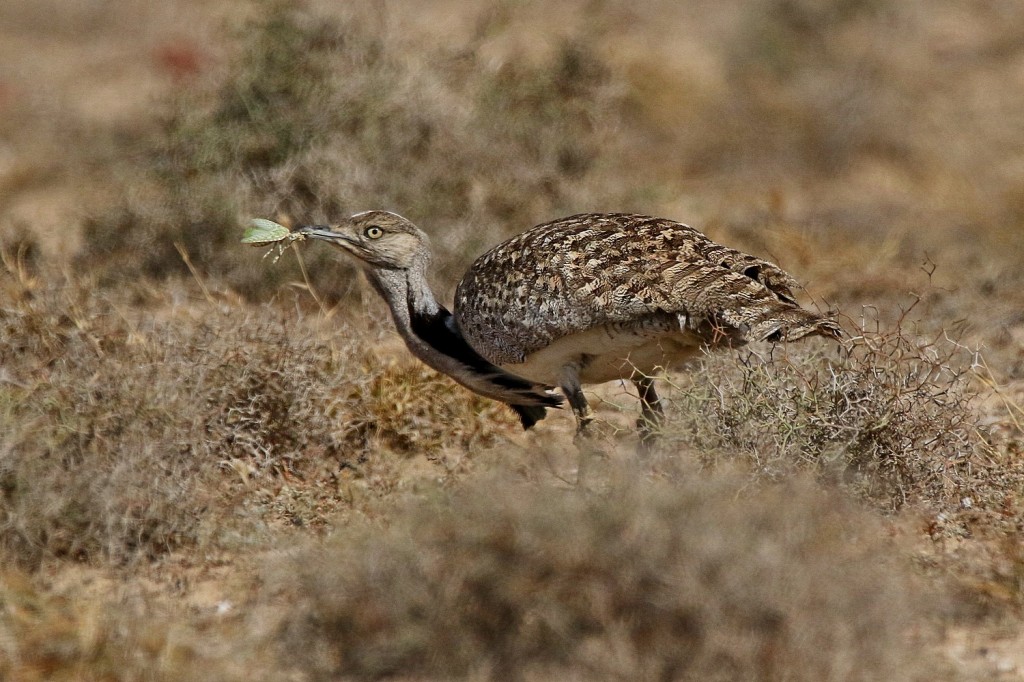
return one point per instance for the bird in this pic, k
(584, 299)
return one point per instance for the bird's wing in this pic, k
(585, 271)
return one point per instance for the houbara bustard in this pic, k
(580, 300)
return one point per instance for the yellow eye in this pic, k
(373, 232)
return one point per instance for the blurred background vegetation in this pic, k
(844, 119)
(206, 473)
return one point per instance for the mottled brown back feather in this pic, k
(589, 270)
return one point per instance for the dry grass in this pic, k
(125, 436)
(699, 580)
(495, 579)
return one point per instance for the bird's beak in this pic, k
(338, 238)
(318, 232)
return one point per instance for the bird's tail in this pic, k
(792, 323)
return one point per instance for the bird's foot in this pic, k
(649, 431)
(584, 432)
(591, 432)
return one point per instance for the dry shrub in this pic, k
(92, 458)
(190, 181)
(699, 580)
(322, 114)
(888, 413)
(280, 400)
(132, 434)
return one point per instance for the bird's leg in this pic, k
(570, 385)
(652, 414)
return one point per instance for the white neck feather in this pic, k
(405, 291)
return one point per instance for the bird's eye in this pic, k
(373, 232)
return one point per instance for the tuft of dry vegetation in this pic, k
(124, 437)
(887, 412)
(677, 581)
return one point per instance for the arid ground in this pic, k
(218, 466)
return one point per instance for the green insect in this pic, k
(263, 232)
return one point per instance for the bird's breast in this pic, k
(610, 352)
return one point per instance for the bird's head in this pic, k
(380, 239)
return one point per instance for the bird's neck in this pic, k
(409, 296)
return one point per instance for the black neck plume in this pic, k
(439, 331)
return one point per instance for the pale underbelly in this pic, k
(605, 356)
